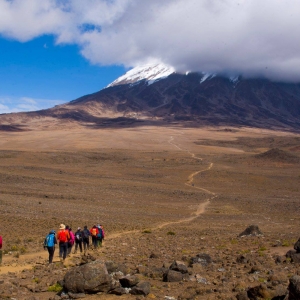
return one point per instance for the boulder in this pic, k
(294, 256)
(258, 292)
(119, 291)
(113, 267)
(297, 246)
(294, 288)
(242, 296)
(142, 288)
(202, 259)
(241, 259)
(76, 296)
(89, 278)
(179, 266)
(252, 230)
(129, 281)
(172, 276)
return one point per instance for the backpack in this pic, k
(94, 231)
(100, 234)
(78, 236)
(85, 234)
(62, 236)
(49, 240)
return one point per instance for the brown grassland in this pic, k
(172, 191)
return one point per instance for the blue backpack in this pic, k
(49, 241)
(100, 234)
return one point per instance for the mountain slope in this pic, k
(158, 93)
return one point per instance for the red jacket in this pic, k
(0, 242)
(92, 231)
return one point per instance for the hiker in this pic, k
(103, 233)
(63, 237)
(94, 231)
(86, 238)
(0, 249)
(99, 236)
(49, 244)
(78, 240)
(71, 240)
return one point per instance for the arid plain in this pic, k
(171, 191)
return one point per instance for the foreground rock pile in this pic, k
(213, 273)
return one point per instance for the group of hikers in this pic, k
(66, 239)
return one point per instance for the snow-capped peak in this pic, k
(150, 72)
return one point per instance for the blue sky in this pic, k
(54, 51)
(39, 74)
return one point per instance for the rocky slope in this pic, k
(157, 93)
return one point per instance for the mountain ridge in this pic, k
(194, 99)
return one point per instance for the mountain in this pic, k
(156, 93)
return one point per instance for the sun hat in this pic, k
(62, 226)
(78, 228)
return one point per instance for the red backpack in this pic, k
(62, 236)
(94, 231)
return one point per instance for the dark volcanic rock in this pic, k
(294, 288)
(179, 266)
(294, 256)
(129, 281)
(172, 276)
(242, 296)
(89, 278)
(297, 246)
(202, 259)
(142, 288)
(252, 230)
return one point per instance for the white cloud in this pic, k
(22, 104)
(249, 37)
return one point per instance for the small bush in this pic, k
(147, 231)
(36, 280)
(55, 288)
(262, 249)
(171, 233)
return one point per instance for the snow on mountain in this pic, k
(154, 72)
(150, 72)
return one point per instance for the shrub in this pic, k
(147, 231)
(171, 233)
(55, 288)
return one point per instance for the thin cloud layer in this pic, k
(252, 38)
(23, 104)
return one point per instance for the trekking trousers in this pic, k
(86, 244)
(69, 248)
(51, 251)
(63, 248)
(78, 244)
(95, 242)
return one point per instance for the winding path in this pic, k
(200, 210)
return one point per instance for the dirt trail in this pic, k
(25, 260)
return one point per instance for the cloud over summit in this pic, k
(237, 37)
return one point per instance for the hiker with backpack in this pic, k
(63, 237)
(86, 238)
(99, 236)
(49, 244)
(94, 231)
(71, 240)
(78, 240)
